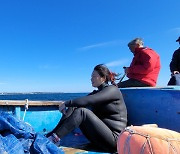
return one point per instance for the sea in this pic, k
(41, 96)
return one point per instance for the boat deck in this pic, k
(77, 144)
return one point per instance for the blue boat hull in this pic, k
(159, 106)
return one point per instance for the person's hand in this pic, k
(62, 108)
(175, 72)
(126, 70)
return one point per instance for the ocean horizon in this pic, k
(41, 96)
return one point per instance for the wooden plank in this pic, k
(69, 150)
(30, 103)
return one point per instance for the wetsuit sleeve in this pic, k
(106, 95)
(174, 62)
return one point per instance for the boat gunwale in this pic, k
(30, 103)
(174, 88)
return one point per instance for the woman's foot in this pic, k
(54, 139)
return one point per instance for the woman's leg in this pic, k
(92, 127)
(98, 133)
(64, 117)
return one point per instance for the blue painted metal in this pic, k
(42, 118)
(17, 112)
(153, 106)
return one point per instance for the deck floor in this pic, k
(78, 144)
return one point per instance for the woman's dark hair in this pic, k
(103, 71)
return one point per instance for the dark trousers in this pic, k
(132, 83)
(92, 127)
(174, 80)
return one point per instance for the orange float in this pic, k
(148, 140)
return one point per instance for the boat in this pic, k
(158, 105)
(153, 105)
(43, 116)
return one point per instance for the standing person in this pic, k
(144, 68)
(105, 120)
(175, 66)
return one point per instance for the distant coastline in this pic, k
(17, 93)
(21, 93)
(41, 96)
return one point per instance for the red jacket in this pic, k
(145, 66)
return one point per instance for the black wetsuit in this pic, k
(175, 62)
(102, 123)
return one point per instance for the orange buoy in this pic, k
(148, 140)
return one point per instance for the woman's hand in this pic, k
(62, 108)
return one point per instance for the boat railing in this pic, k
(30, 103)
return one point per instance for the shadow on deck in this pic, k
(78, 144)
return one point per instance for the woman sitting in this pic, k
(101, 115)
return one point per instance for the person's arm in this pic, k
(148, 61)
(106, 95)
(174, 63)
(63, 108)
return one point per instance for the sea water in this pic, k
(40, 96)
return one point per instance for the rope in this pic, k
(131, 132)
(26, 108)
(150, 145)
(127, 144)
(172, 147)
(143, 147)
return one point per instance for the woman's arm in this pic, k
(106, 95)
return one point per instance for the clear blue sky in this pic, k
(53, 45)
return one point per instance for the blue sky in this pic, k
(53, 45)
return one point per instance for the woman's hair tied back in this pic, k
(103, 71)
